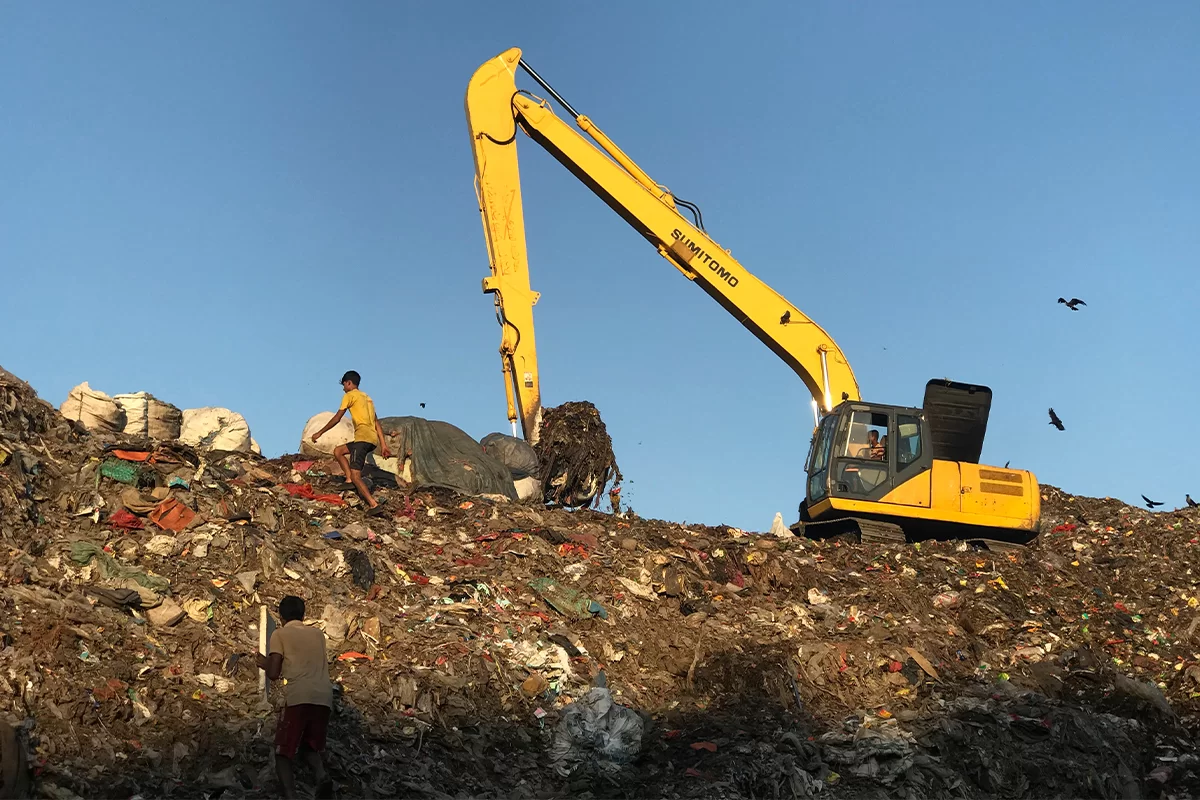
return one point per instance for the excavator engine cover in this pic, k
(957, 414)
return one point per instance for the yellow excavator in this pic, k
(878, 472)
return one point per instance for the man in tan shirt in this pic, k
(298, 655)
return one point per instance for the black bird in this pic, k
(1006, 465)
(1055, 421)
(1150, 503)
(787, 315)
(1072, 303)
(1191, 503)
(422, 405)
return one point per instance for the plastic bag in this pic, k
(516, 454)
(596, 732)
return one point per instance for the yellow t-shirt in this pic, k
(362, 411)
(305, 664)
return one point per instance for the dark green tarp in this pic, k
(445, 456)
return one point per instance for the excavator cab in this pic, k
(864, 450)
(895, 473)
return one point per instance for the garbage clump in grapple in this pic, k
(576, 455)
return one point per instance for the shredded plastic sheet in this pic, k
(306, 491)
(83, 552)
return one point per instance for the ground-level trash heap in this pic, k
(485, 648)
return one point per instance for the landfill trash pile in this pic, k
(483, 648)
(33, 437)
(576, 455)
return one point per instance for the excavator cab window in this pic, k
(818, 467)
(862, 458)
(908, 439)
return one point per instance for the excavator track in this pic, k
(864, 531)
(873, 532)
(858, 529)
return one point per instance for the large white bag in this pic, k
(342, 433)
(96, 410)
(146, 415)
(215, 429)
(528, 488)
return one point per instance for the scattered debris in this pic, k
(468, 633)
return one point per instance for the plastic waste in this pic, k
(596, 732)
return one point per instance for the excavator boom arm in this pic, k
(495, 111)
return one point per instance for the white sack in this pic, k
(528, 489)
(146, 415)
(96, 410)
(215, 429)
(342, 433)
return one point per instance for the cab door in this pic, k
(911, 464)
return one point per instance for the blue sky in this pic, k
(230, 204)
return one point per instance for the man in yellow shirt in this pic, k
(367, 436)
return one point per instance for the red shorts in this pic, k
(305, 724)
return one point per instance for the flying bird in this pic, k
(1191, 503)
(1150, 503)
(422, 405)
(1055, 421)
(787, 315)
(1072, 303)
(1006, 465)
